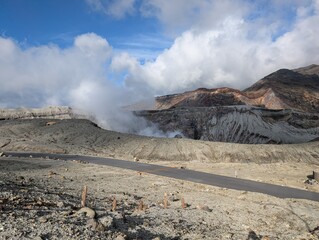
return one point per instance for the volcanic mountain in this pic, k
(288, 89)
(283, 107)
(284, 89)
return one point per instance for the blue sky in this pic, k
(103, 54)
(39, 22)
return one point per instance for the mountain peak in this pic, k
(312, 69)
(284, 89)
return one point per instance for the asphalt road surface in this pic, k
(185, 174)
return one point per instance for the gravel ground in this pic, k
(41, 198)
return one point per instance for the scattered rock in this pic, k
(20, 178)
(60, 204)
(50, 123)
(92, 223)
(38, 238)
(203, 207)
(42, 219)
(100, 227)
(252, 235)
(107, 221)
(1, 154)
(178, 136)
(159, 183)
(80, 161)
(88, 211)
(310, 181)
(122, 236)
(51, 173)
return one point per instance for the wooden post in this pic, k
(84, 193)
(183, 203)
(114, 204)
(165, 200)
(141, 206)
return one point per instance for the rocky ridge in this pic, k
(284, 89)
(52, 112)
(283, 107)
(288, 89)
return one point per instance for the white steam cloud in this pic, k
(226, 43)
(76, 76)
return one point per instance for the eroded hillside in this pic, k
(75, 136)
(283, 107)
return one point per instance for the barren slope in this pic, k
(201, 97)
(40, 197)
(237, 124)
(290, 89)
(83, 137)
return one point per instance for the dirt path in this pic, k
(183, 174)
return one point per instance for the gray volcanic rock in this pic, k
(238, 124)
(283, 107)
(52, 112)
(82, 137)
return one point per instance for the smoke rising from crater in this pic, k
(76, 76)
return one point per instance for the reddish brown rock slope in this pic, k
(284, 89)
(288, 89)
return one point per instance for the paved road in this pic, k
(185, 174)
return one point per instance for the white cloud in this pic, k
(39, 76)
(207, 59)
(177, 15)
(207, 14)
(115, 8)
(235, 52)
(143, 47)
(93, 46)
